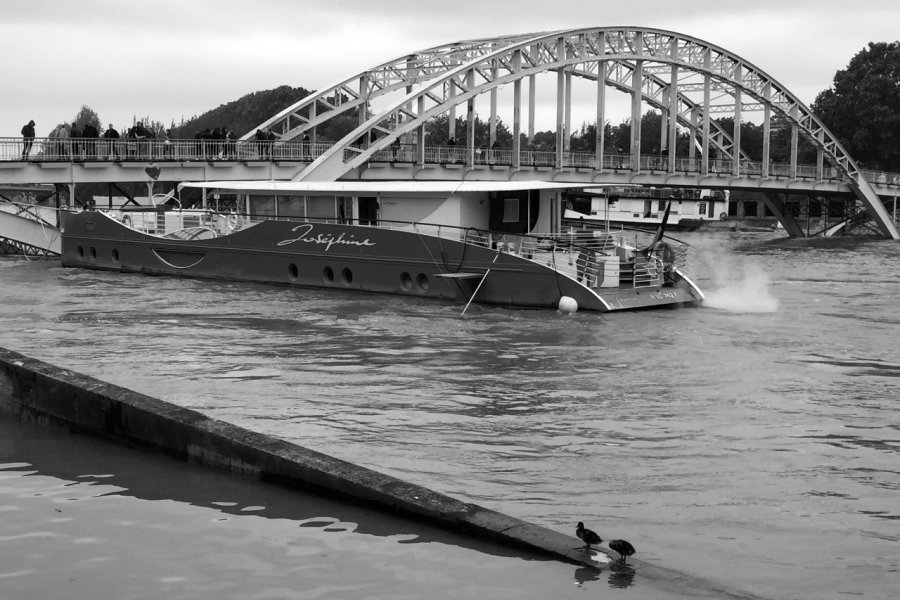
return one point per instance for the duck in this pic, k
(625, 549)
(587, 536)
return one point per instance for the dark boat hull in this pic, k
(349, 257)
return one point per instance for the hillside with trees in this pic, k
(244, 114)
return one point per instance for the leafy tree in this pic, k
(438, 132)
(87, 115)
(862, 108)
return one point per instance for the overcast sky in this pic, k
(173, 59)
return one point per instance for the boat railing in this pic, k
(575, 252)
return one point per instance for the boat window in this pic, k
(511, 210)
(291, 206)
(262, 205)
(368, 210)
(345, 209)
(321, 207)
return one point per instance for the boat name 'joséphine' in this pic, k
(326, 239)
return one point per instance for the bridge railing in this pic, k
(162, 150)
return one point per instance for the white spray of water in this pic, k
(738, 284)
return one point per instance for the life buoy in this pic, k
(723, 216)
(232, 222)
(126, 220)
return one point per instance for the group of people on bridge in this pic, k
(76, 143)
(68, 141)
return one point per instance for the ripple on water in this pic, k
(761, 438)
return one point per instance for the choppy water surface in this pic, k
(753, 441)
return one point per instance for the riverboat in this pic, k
(644, 207)
(499, 243)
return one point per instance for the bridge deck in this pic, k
(111, 157)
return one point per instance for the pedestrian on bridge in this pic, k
(76, 141)
(112, 140)
(91, 134)
(28, 139)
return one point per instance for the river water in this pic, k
(753, 441)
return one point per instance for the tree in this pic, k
(87, 115)
(244, 114)
(862, 108)
(437, 129)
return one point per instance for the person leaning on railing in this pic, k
(27, 139)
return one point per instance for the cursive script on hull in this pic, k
(306, 235)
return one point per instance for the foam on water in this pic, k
(750, 293)
(738, 283)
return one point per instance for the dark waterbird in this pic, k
(623, 548)
(586, 535)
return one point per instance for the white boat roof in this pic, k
(374, 188)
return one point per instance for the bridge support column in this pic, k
(637, 78)
(71, 189)
(600, 131)
(420, 135)
(451, 117)
(779, 208)
(568, 114)
(820, 156)
(531, 93)
(560, 103)
(795, 140)
(673, 111)
(492, 127)
(470, 121)
(767, 131)
(363, 113)
(736, 131)
(692, 151)
(874, 205)
(517, 114)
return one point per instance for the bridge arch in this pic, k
(411, 69)
(685, 77)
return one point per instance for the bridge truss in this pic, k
(688, 80)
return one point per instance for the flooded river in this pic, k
(754, 441)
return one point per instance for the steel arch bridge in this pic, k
(688, 80)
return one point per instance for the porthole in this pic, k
(80, 252)
(293, 272)
(422, 282)
(93, 253)
(406, 281)
(346, 276)
(115, 256)
(328, 275)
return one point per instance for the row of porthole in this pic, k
(328, 276)
(406, 280)
(92, 253)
